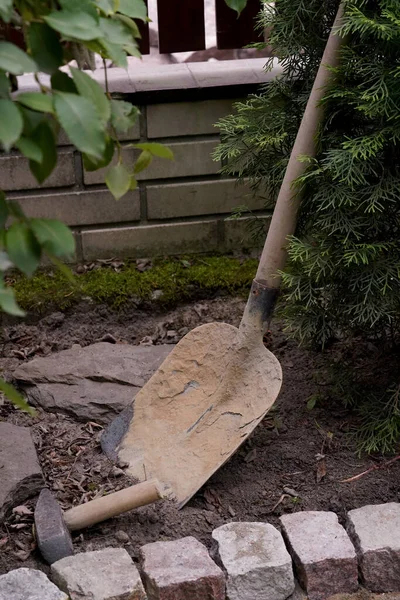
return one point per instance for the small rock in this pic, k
(20, 474)
(256, 561)
(375, 531)
(121, 536)
(324, 557)
(107, 574)
(181, 570)
(291, 492)
(28, 584)
(157, 294)
(116, 472)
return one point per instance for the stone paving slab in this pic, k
(256, 561)
(92, 383)
(181, 570)
(324, 557)
(28, 584)
(99, 575)
(375, 531)
(21, 476)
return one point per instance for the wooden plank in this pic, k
(234, 32)
(144, 43)
(181, 25)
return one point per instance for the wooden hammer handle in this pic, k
(112, 505)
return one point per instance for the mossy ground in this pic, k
(177, 280)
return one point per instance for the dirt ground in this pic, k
(295, 460)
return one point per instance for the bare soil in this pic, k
(295, 460)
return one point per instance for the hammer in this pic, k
(53, 526)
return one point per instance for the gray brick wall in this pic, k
(180, 206)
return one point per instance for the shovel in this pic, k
(219, 381)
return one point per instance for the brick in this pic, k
(324, 557)
(83, 208)
(256, 561)
(375, 531)
(181, 570)
(191, 199)
(190, 159)
(28, 584)
(107, 574)
(15, 173)
(245, 233)
(185, 118)
(150, 240)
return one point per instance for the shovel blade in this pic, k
(197, 409)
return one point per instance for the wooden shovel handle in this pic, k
(112, 505)
(283, 222)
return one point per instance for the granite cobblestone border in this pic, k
(247, 561)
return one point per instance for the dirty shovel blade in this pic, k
(197, 409)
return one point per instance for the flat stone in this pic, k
(28, 584)
(20, 473)
(92, 383)
(324, 557)
(107, 574)
(256, 561)
(375, 531)
(52, 535)
(181, 570)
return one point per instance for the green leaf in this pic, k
(63, 83)
(136, 9)
(92, 164)
(15, 209)
(30, 149)
(5, 85)
(79, 5)
(8, 302)
(45, 47)
(114, 52)
(14, 60)
(312, 401)
(134, 183)
(6, 10)
(133, 50)
(143, 161)
(54, 237)
(156, 149)
(106, 6)
(237, 5)
(123, 115)
(129, 24)
(65, 270)
(15, 397)
(43, 137)
(74, 25)
(90, 89)
(118, 180)
(11, 123)
(4, 211)
(36, 101)
(81, 123)
(23, 248)
(115, 32)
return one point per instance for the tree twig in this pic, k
(374, 468)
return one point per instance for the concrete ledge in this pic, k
(145, 78)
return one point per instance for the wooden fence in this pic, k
(181, 26)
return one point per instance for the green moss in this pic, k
(177, 279)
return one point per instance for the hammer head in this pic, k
(53, 538)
